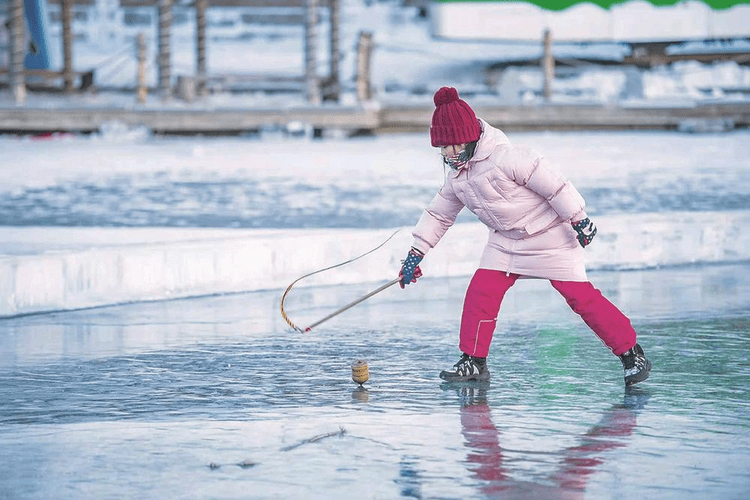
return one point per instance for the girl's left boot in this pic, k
(468, 368)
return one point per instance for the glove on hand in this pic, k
(410, 270)
(586, 231)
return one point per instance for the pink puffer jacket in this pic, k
(525, 204)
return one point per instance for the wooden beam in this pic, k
(300, 4)
(218, 121)
(293, 17)
(141, 91)
(16, 46)
(200, 44)
(652, 60)
(164, 55)
(311, 45)
(548, 65)
(333, 85)
(364, 56)
(66, 8)
(74, 2)
(575, 117)
(387, 119)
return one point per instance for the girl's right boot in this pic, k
(636, 366)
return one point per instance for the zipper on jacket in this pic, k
(510, 257)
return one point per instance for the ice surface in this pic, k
(179, 398)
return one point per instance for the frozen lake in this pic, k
(274, 181)
(216, 398)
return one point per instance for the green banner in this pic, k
(606, 4)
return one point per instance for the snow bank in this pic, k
(97, 267)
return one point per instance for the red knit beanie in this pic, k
(453, 121)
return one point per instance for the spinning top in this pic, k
(360, 372)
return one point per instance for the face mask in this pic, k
(458, 160)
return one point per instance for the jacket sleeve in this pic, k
(436, 219)
(532, 170)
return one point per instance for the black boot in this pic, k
(635, 364)
(467, 368)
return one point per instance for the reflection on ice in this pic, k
(575, 464)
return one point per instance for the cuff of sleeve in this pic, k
(578, 217)
(420, 246)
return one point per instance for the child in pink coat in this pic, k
(537, 228)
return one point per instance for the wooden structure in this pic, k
(141, 89)
(548, 65)
(305, 12)
(164, 55)
(581, 117)
(396, 118)
(649, 55)
(200, 44)
(364, 56)
(18, 73)
(66, 7)
(643, 55)
(17, 70)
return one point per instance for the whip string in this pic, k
(289, 288)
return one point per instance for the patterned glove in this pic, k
(410, 270)
(586, 231)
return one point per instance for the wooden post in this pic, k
(66, 7)
(200, 44)
(311, 77)
(17, 70)
(164, 57)
(141, 91)
(333, 80)
(364, 52)
(548, 65)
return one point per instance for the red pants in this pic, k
(486, 292)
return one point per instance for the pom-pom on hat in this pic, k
(453, 121)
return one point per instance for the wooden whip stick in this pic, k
(352, 304)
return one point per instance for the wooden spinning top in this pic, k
(360, 372)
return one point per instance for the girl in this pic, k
(537, 228)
